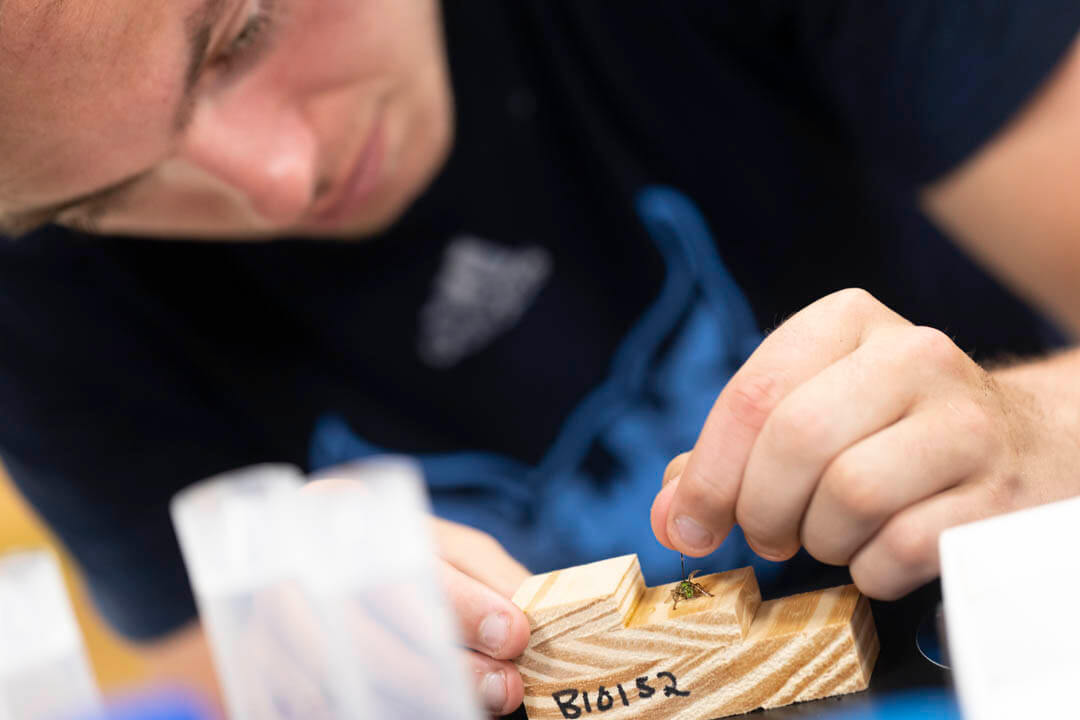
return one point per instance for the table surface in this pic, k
(900, 665)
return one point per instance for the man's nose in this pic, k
(270, 155)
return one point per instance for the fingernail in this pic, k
(692, 533)
(765, 552)
(674, 478)
(495, 631)
(493, 690)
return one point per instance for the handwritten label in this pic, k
(572, 702)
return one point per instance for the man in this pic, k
(547, 306)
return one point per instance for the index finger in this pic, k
(694, 514)
(480, 556)
(490, 623)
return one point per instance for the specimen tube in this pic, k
(44, 672)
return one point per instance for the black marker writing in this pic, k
(565, 700)
(673, 688)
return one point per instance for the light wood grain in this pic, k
(603, 642)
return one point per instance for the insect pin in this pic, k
(686, 589)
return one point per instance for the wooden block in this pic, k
(581, 601)
(603, 642)
(589, 618)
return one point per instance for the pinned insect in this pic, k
(687, 589)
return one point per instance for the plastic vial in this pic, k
(367, 559)
(231, 533)
(44, 672)
(326, 603)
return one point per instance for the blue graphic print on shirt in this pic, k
(650, 408)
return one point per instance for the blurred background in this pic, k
(115, 662)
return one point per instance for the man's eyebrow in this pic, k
(198, 27)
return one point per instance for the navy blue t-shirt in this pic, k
(637, 192)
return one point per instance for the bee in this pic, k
(687, 589)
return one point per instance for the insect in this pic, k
(687, 589)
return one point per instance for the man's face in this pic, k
(220, 117)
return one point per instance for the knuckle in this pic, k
(749, 519)
(488, 542)
(804, 431)
(852, 488)
(971, 419)
(704, 492)
(824, 551)
(756, 527)
(766, 534)
(676, 466)
(750, 398)
(910, 544)
(852, 301)
(478, 540)
(1004, 493)
(931, 346)
(872, 582)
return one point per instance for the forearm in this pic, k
(1013, 206)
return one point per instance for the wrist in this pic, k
(1048, 390)
(1043, 398)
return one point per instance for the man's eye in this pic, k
(249, 37)
(250, 34)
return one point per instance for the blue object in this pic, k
(163, 705)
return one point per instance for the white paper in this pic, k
(1011, 588)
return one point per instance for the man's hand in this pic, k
(480, 577)
(859, 436)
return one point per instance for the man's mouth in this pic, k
(362, 180)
